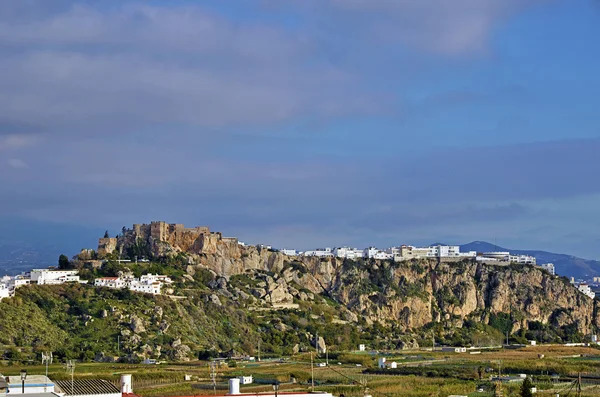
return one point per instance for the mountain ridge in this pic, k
(565, 264)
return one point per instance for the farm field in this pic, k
(418, 373)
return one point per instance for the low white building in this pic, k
(381, 363)
(110, 282)
(320, 252)
(586, 290)
(523, 259)
(288, 252)
(245, 380)
(47, 276)
(361, 348)
(34, 384)
(450, 349)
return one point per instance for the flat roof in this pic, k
(87, 386)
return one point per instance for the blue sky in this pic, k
(306, 122)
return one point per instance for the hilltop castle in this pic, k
(162, 237)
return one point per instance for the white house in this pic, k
(47, 276)
(585, 289)
(381, 363)
(245, 380)
(110, 282)
(370, 252)
(361, 348)
(5, 292)
(288, 252)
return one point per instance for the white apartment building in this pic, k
(443, 251)
(370, 252)
(320, 252)
(47, 276)
(586, 290)
(524, 259)
(549, 267)
(347, 253)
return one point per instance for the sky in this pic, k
(305, 123)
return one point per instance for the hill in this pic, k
(566, 265)
(227, 297)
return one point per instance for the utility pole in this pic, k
(213, 375)
(71, 369)
(312, 371)
(259, 348)
(46, 359)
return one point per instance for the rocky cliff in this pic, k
(405, 297)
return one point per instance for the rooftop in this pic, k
(87, 386)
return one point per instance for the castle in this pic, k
(157, 234)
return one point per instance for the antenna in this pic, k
(46, 359)
(71, 368)
(312, 371)
(213, 375)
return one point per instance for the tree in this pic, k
(526, 388)
(63, 262)
(106, 234)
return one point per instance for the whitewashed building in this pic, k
(5, 292)
(47, 276)
(549, 267)
(586, 290)
(320, 252)
(523, 259)
(347, 253)
(288, 252)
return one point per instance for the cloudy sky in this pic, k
(305, 123)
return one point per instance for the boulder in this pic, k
(137, 325)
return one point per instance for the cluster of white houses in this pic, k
(149, 283)
(407, 252)
(8, 284)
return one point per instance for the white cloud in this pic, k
(17, 163)
(447, 27)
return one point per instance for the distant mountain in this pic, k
(26, 244)
(566, 265)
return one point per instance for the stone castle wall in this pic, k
(106, 246)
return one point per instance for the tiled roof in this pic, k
(87, 386)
